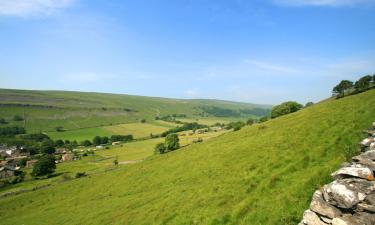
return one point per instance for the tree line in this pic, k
(347, 87)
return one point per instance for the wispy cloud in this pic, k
(80, 78)
(266, 66)
(26, 8)
(331, 3)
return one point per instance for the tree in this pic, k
(44, 166)
(59, 129)
(343, 87)
(2, 121)
(363, 83)
(263, 119)
(86, 143)
(97, 140)
(250, 121)
(104, 140)
(285, 108)
(48, 147)
(17, 118)
(143, 120)
(59, 143)
(309, 104)
(160, 148)
(172, 142)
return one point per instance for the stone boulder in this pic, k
(367, 141)
(355, 170)
(311, 218)
(321, 207)
(347, 193)
(361, 218)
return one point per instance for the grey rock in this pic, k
(355, 170)
(310, 218)
(370, 199)
(347, 193)
(369, 154)
(326, 220)
(366, 207)
(367, 141)
(321, 207)
(365, 161)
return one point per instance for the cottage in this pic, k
(30, 163)
(67, 157)
(60, 151)
(99, 147)
(6, 172)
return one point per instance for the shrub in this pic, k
(59, 129)
(285, 108)
(125, 138)
(2, 121)
(160, 148)
(172, 142)
(44, 166)
(48, 147)
(17, 118)
(86, 143)
(80, 174)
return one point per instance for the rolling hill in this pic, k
(46, 110)
(261, 175)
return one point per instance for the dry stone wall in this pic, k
(350, 198)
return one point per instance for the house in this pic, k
(6, 172)
(67, 157)
(60, 151)
(30, 163)
(99, 147)
(116, 143)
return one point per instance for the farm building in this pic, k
(116, 143)
(30, 163)
(6, 172)
(67, 157)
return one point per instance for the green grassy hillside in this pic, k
(46, 110)
(262, 175)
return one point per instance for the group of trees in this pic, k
(185, 127)
(97, 140)
(347, 87)
(285, 108)
(171, 143)
(11, 131)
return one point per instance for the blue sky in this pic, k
(262, 51)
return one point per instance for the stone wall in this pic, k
(350, 198)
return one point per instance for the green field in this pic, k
(138, 130)
(263, 174)
(46, 110)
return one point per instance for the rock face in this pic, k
(350, 198)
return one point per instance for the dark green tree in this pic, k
(263, 119)
(44, 166)
(2, 121)
(343, 87)
(363, 83)
(86, 143)
(309, 104)
(285, 108)
(104, 140)
(97, 140)
(17, 118)
(48, 147)
(172, 142)
(59, 143)
(160, 148)
(250, 121)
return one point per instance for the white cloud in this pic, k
(26, 8)
(192, 93)
(332, 3)
(271, 67)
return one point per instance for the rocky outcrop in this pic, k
(350, 198)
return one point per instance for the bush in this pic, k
(143, 120)
(2, 121)
(86, 143)
(17, 118)
(285, 108)
(48, 147)
(80, 174)
(235, 125)
(59, 129)
(263, 119)
(11, 131)
(160, 148)
(250, 121)
(59, 143)
(44, 166)
(172, 142)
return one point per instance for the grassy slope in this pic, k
(264, 174)
(74, 110)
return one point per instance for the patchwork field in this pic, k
(138, 130)
(263, 175)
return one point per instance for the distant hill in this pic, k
(263, 174)
(46, 110)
